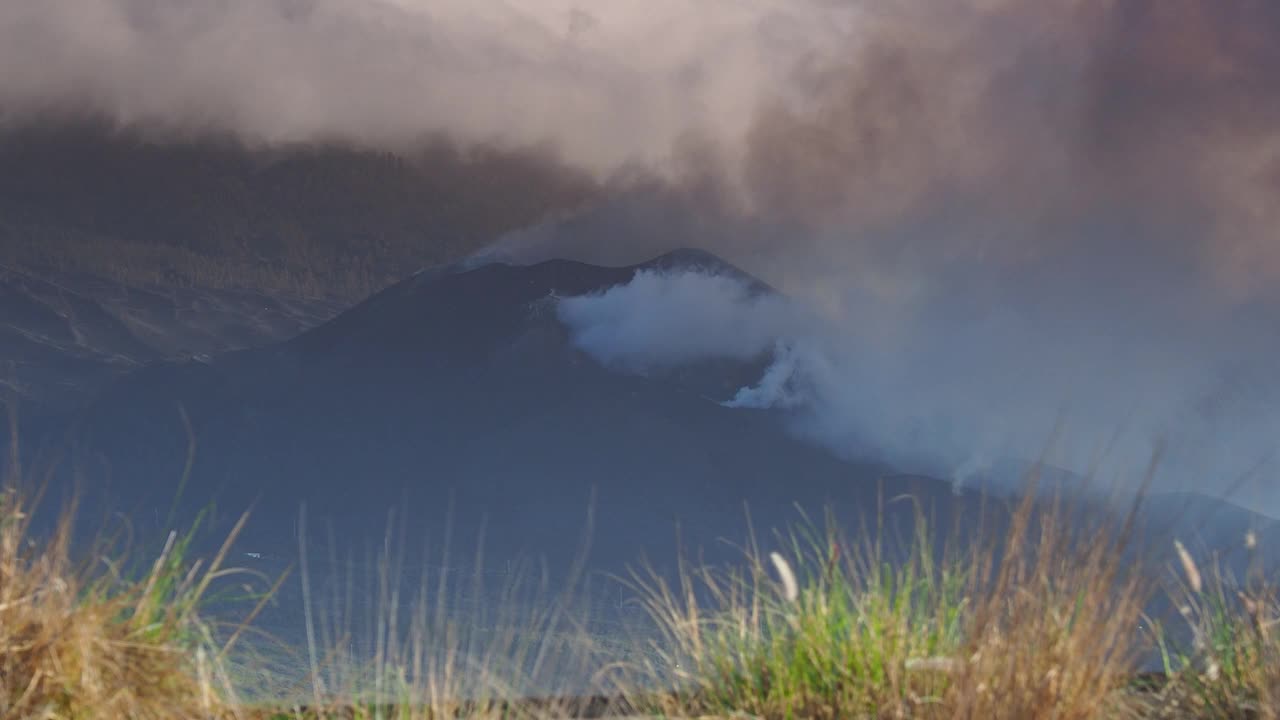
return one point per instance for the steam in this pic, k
(661, 320)
(779, 387)
(957, 391)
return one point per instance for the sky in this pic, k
(995, 217)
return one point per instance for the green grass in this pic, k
(1037, 620)
(828, 628)
(822, 633)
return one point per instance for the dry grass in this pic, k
(91, 640)
(1231, 668)
(1054, 635)
(84, 640)
(1037, 621)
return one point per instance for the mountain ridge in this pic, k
(462, 352)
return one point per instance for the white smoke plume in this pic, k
(781, 386)
(956, 390)
(661, 320)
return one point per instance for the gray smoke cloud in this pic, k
(607, 82)
(990, 216)
(1019, 222)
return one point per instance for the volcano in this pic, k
(459, 396)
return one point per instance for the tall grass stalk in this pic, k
(432, 644)
(1229, 667)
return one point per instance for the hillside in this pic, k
(320, 220)
(65, 336)
(462, 383)
(118, 249)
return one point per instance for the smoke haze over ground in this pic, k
(993, 215)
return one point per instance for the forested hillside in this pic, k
(315, 220)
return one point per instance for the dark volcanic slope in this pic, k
(462, 384)
(65, 336)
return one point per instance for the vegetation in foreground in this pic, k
(1039, 620)
(85, 640)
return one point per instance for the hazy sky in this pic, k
(999, 208)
